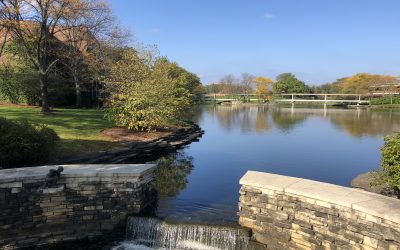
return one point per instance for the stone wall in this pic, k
(292, 213)
(86, 201)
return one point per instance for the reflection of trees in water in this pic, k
(194, 114)
(356, 123)
(287, 119)
(246, 118)
(227, 116)
(261, 124)
(360, 123)
(172, 173)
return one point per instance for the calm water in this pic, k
(201, 182)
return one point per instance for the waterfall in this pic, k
(151, 233)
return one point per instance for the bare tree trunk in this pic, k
(45, 95)
(78, 92)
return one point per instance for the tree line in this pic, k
(262, 86)
(285, 83)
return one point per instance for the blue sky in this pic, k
(318, 40)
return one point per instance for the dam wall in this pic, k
(293, 213)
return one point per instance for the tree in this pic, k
(328, 88)
(263, 85)
(187, 80)
(363, 83)
(227, 85)
(40, 28)
(288, 83)
(145, 97)
(18, 80)
(247, 81)
(89, 24)
(389, 173)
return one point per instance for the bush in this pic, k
(385, 100)
(24, 144)
(143, 97)
(389, 174)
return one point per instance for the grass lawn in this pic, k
(79, 129)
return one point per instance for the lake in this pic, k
(201, 182)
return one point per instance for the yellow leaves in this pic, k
(363, 82)
(263, 86)
(263, 80)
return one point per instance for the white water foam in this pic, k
(151, 233)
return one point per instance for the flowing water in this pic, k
(151, 233)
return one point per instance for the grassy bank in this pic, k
(79, 129)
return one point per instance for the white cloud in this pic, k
(269, 15)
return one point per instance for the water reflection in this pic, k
(261, 119)
(172, 173)
(287, 119)
(246, 118)
(363, 123)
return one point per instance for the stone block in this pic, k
(371, 242)
(267, 181)
(53, 190)
(383, 207)
(11, 185)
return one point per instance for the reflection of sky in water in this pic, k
(326, 145)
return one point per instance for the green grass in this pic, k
(79, 129)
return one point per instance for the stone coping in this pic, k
(370, 203)
(89, 170)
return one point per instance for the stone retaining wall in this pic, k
(87, 201)
(293, 213)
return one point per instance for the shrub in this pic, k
(24, 144)
(143, 97)
(389, 174)
(385, 100)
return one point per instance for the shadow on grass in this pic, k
(68, 148)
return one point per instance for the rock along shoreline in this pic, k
(141, 152)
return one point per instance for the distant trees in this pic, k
(288, 83)
(361, 83)
(285, 83)
(328, 88)
(247, 81)
(263, 87)
(228, 84)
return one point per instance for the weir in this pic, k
(156, 234)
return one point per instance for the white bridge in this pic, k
(326, 98)
(357, 99)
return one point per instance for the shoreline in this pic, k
(141, 151)
(363, 182)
